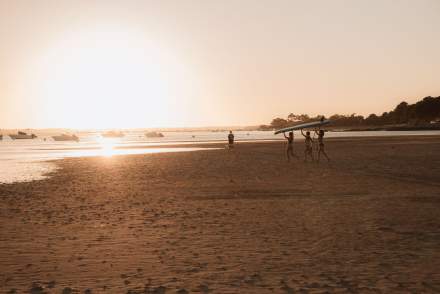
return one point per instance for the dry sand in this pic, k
(219, 221)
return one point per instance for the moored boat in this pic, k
(113, 134)
(66, 137)
(154, 135)
(22, 135)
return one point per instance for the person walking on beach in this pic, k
(231, 140)
(289, 149)
(321, 144)
(309, 145)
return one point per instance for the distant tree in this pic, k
(372, 119)
(347, 120)
(278, 123)
(292, 117)
(385, 118)
(428, 109)
(400, 113)
(335, 117)
(303, 117)
(412, 117)
(265, 128)
(358, 119)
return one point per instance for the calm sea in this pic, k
(26, 160)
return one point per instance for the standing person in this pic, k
(231, 140)
(289, 149)
(321, 144)
(309, 146)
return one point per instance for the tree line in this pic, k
(422, 113)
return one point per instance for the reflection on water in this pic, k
(16, 171)
(107, 146)
(109, 150)
(28, 160)
(37, 168)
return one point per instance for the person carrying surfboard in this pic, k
(309, 145)
(289, 149)
(321, 144)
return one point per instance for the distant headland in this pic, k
(422, 115)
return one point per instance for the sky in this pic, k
(188, 63)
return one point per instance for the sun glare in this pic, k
(108, 80)
(107, 146)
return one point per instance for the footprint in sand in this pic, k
(51, 284)
(204, 288)
(286, 287)
(36, 289)
(252, 280)
(67, 290)
(157, 290)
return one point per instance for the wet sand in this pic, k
(219, 221)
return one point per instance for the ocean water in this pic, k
(26, 160)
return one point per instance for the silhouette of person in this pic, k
(308, 152)
(289, 148)
(231, 140)
(321, 148)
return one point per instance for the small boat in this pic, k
(154, 135)
(113, 134)
(66, 137)
(22, 135)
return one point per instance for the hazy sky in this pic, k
(199, 63)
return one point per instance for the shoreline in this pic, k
(218, 143)
(39, 168)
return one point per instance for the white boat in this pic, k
(113, 134)
(154, 135)
(65, 137)
(22, 135)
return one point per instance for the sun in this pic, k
(108, 79)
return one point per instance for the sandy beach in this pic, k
(220, 221)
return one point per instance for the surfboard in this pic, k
(303, 126)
